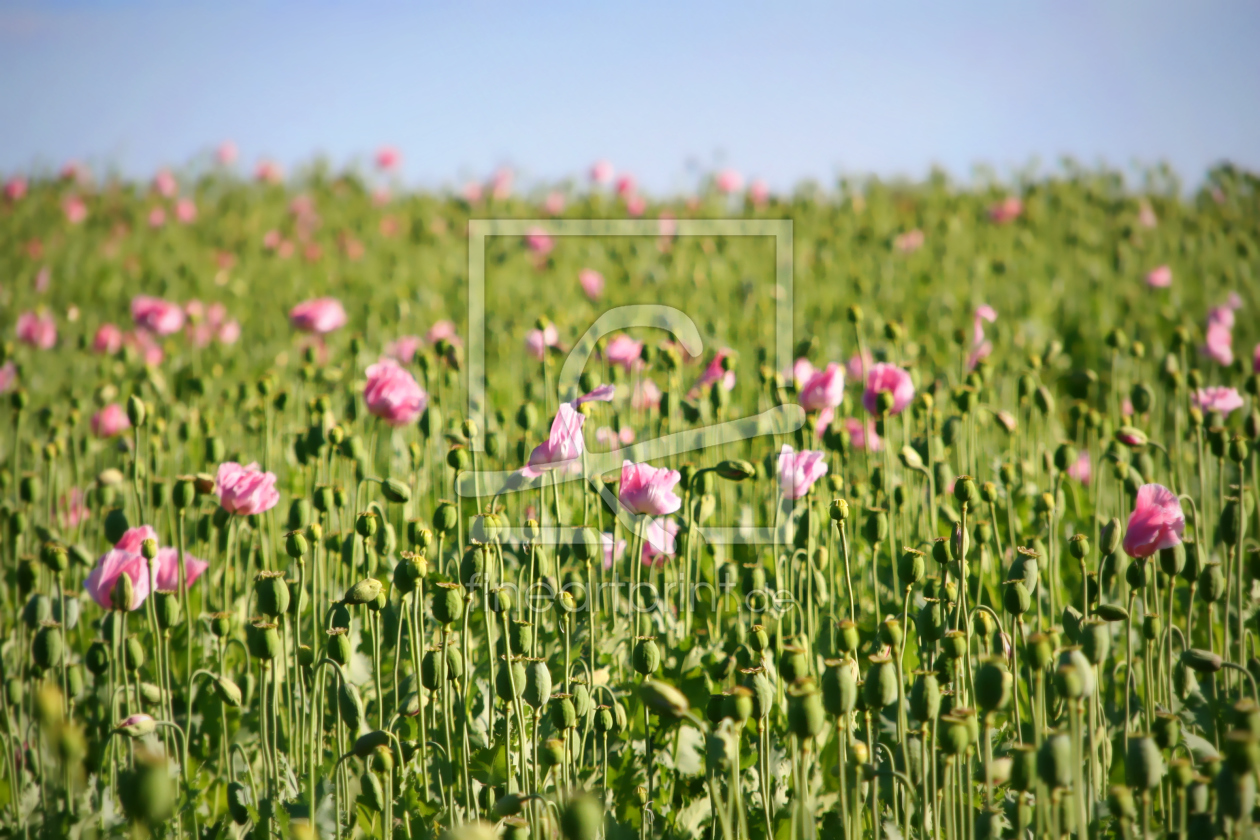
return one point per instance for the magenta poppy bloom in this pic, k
(636, 205)
(1255, 360)
(659, 541)
(167, 577)
(108, 340)
(592, 282)
(728, 181)
(1219, 344)
(144, 344)
(268, 172)
(1219, 399)
(626, 185)
(1157, 521)
(799, 470)
(164, 183)
(110, 421)
(75, 209)
(228, 332)
(715, 372)
(623, 350)
(857, 366)
(613, 551)
(245, 490)
(227, 153)
(1146, 216)
(885, 377)
(602, 172)
(539, 242)
(388, 158)
(862, 435)
(1007, 210)
(563, 447)
(186, 211)
(823, 389)
(393, 394)
(37, 329)
(15, 188)
(538, 341)
(133, 539)
(1223, 315)
(160, 317)
(603, 393)
(1081, 469)
(648, 490)
(319, 316)
(1159, 277)
(605, 436)
(404, 349)
(471, 192)
(109, 568)
(8, 376)
(501, 183)
(157, 218)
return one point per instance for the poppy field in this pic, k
(305, 534)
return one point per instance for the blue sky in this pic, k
(783, 91)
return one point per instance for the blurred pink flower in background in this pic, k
(226, 154)
(157, 217)
(1255, 360)
(108, 339)
(908, 242)
(715, 372)
(1219, 342)
(885, 377)
(8, 376)
(37, 329)
(442, 331)
(612, 551)
(1007, 210)
(592, 282)
(1218, 398)
(538, 340)
(228, 332)
(472, 192)
(635, 205)
(668, 225)
(245, 490)
(649, 490)
(563, 446)
(156, 315)
(166, 579)
(862, 435)
(319, 316)
(646, 394)
(403, 350)
(72, 508)
(1146, 216)
(110, 421)
(759, 192)
(822, 390)
(1081, 469)
(76, 211)
(388, 158)
(501, 183)
(602, 172)
(143, 342)
(553, 204)
(164, 183)
(623, 350)
(43, 278)
(271, 239)
(539, 242)
(858, 365)
(15, 188)
(980, 349)
(799, 470)
(1157, 521)
(728, 181)
(607, 437)
(1159, 277)
(109, 568)
(186, 211)
(626, 185)
(268, 172)
(659, 541)
(393, 394)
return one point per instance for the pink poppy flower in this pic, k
(1081, 469)
(8, 376)
(160, 317)
(164, 183)
(1159, 277)
(715, 372)
(1255, 360)
(37, 329)
(667, 225)
(186, 211)
(1126, 407)
(388, 158)
(1223, 315)
(605, 436)
(109, 568)
(553, 204)
(613, 551)
(823, 389)
(245, 490)
(228, 332)
(592, 282)
(799, 470)
(404, 349)
(537, 341)
(908, 242)
(646, 394)
(563, 447)
(442, 331)
(648, 490)
(602, 172)
(626, 185)
(659, 541)
(227, 153)
(857, 366)
(984, 313)
(15, 188)
(271, 240)
(539, 242)
(1007, 210)
(319, 316)
(802, 371)
(1146, 216)
(472, 192)
(604, 393)
(1218, 345)
(157, 218)
(1157, 521)
(110, 421)
(133, 538)
(72, 509)
(862, 435)
(759, 192)
(393, 394)
(43, 279)
(268, 172)
(167, 577)
(75, 209)
(144, 344)
(1219, 399)
(635, 205)
(624, 350)
(885, 377)
(501, 183)
(728, 181)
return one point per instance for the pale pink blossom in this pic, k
(37, 329)
(553, 204)
(799, 470)
(271, 239)
(626, 185)
(75, 209)
(1218, 345)
(635, 205)
(659, 541)
(538, 341)
(1081, 469)
(602, 393)
(380, 196)
(393, 394)
(592, 282)
(759, 192)
(8, 376)
(908, 242)
(1156, 523)
(319, 316)
(857, 366)
(186, 211)
(715, 372)
(442, 331)
(157, 218)
(606, 436)
(15, 188)
(624, 350)
(862, 435)
(72, 509)
(1007, 210)
(501, 183)
(802, 371)
(43, 279)
(388, 158)
(227, 153)
(472, 192)
(564, 445)
(245, 490)
(110, 421)
(886, 377)
(1126, 407)
(1159, 277)
(667, 225)
(645, 489)
(1255, 360)
(403, 350)
(146, 345)
(823, 390)
(539, 242)
(164, 184)
(1218, 398)
(268, 172)
(133, 539)
(109, 568)
(1223, 315)
(728, 181)
(160, 317)
(166, 577)
(613, 550)
(1146, 216)
(602, 172)
(646, 394)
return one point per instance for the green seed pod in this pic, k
(806, 716)
(1166, 730)
(1143, 764)
(880, 687)
(1111, 612)
(925, 697)
(48, 647)
(1110, 536)
(395, 491)
(763, 694)
(646, 656)
(931, 621)
(472, 566)
(97, 657)
(663, 698)
(582, 818)
(847, 637)
(447, 604)
(365, 591)
(115, 525)
(912, 567)
(1016, 598)
(875, 528)
(891, 632)
(1054, 761)
(1235, 793)
(1120, 802)
(994, 685)
(604, 722)
(264, 641)
(552, 752)
(145, 790)
(737, 704)
(953, 735)
(1205, 662)
(1152, 627)
(1095, 640)
(338, 647)
(1212, 583)
(563, 712)
(228, 692)
(537, 685)
(167, 609)
(295, 545)
(271, 593)
(759, 639)
(350, 706)
(510, 681)
(445, 518)
(792, 664)
(839, 510)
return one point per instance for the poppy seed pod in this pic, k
(1016, 598)
(1230, 521)
(271, 593)
(966, 491)
(1143, 764)
(959, 542)
(1211, 583)
(563, 712)
(97, 657)
(953, 735)
(1054, 761)
(1166, 730)
(663, 698)
(1095, 640)
(48, 647)
(167, 609)
(1111, 612)
(839, 510)
(228, 692)
(891, 631)
(552, 752)
(537, 690)
(145, 790)
(582, 818)
(880, 687)
(295, 544)
(395, 491)
(792, 664)
(604, 723)
(447, 603)
(737, 704)
(994, 685)
(365, 591)
(263, 641)
(931, 621)
(912, 568)
(1203, 661)
(445, 518)
(646, 656)
(847, 637)
(339, 649)
(762, 694)
(925, 697)
(1023, 775)
(350, 706)
(940, 550)
(806, 716)
(875, 528)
